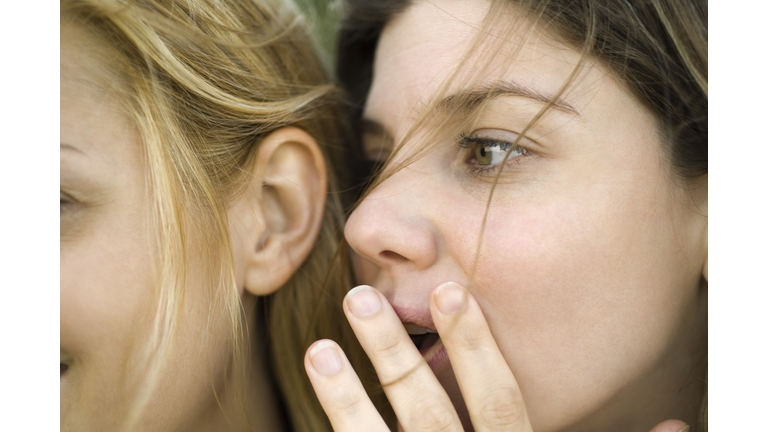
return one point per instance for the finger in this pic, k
(671, 426)
(339, 389)
(416, 396)
(487, 385)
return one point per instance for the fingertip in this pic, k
(319, 345)
(671, 426)
(325, 357)
(450, 298)
(357, 289)
(362, 301)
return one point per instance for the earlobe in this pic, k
(289, 183)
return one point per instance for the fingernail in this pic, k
(685, 428)
(450, 298)
(363, 301)
(325, 358)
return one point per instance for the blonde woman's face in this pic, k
(109, 269)
(590, 273)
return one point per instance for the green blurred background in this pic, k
(324, 17)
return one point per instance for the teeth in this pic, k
(416, 330)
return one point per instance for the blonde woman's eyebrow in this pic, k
(468, 100)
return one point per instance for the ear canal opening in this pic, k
(262, 240)
(274, 213)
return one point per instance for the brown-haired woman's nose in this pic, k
(392, 233)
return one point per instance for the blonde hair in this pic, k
(204, 82)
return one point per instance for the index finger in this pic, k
(339, 389)
(489, 388)
(416, 396)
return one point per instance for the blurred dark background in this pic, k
(323, 16)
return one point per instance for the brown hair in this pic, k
(656, 48)
(204, 82)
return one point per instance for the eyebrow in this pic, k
(466, 101)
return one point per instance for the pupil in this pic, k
(482, 151)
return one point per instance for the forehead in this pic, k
(84, 55)
(421, 47)
(89, 67)
(92, 119)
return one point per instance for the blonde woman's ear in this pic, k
(276, 222)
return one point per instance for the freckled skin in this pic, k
(590, 274)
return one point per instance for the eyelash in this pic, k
(468, 142)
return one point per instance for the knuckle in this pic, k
(346, 403)
(388, 345)
(433, 416)
(502, 408)
(467, 340)
(398, 375)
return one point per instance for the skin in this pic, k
(109, 266)
(592, 275)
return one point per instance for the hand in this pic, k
(488, 387)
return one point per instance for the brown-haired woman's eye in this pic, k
(490, 151)
(492, 154)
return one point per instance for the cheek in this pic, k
(106, 291)
(106, 287)
(108, 303)
(582, 290)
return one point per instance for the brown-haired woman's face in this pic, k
(591, 268)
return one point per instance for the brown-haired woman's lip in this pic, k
(436, 356)
(415, 316)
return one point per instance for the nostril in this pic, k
(392, 256)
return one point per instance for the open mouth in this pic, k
(424, 341)
(427, 341)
